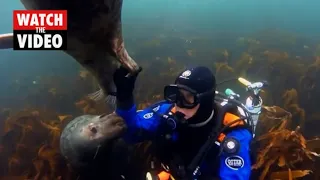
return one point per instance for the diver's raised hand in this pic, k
(125, 83)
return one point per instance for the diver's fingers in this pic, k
(121, 71)
(6, 41)
(139, 71)
(134, 74)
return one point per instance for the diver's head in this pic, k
(193, 91)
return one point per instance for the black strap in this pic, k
(244, 126)
(196, 161)
(219, 128)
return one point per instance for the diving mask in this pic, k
(183, 96)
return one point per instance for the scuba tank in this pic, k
(253, 102)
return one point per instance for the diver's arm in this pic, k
(237, 166)
(125, 102)
(128, 114)
(139, 120)
(125, 99)
(141, 124)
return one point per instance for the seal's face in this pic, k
(82, 137)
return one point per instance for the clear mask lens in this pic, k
(182, 96)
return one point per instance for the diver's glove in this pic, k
(125, 86)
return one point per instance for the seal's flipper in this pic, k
(109, 97)
(111, 100)
(6, 41)
(99, 96)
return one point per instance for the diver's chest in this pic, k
(190, 149)
(208, 169)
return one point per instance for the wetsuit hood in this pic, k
(202, 80)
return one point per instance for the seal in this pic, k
(83, 138)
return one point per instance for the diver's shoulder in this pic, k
(241, 134)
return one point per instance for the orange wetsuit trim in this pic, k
(229, 118)
(221, 137)
(173, 110)
(163, 175)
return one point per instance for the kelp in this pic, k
(30, 145)
(282, 147)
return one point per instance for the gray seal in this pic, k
(86, 136)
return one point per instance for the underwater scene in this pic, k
(60, 119)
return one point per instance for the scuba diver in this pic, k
(194, 135)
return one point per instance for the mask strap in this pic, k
(206, 94)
